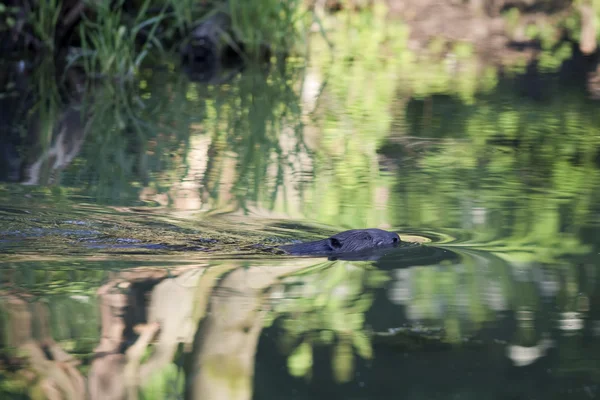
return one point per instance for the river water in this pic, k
(134, 248)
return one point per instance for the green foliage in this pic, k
(327, 307)
(550, 32)
(140, 137)
(43, 19)
(167, 383)
(274, 23)
(46, 111)
(115, 44)
(8, 17)
(109, 42)
(493, 175)
(118, 156)
(254, 124)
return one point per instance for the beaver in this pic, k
(344, 243)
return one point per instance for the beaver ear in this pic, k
(334, 243)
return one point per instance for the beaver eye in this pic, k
(334, 243)
(367, 237)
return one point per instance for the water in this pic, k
(135, 251)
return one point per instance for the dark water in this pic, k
(134, 250)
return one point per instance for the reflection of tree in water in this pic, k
(188, 329)
(517, 173)
(196, 329)
(547, 306)
(32, 360)
(326, 308)
(140, 136)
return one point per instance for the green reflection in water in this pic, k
(331, 305)
(327, 308)
(509, 182)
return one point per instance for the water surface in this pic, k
(135, 249)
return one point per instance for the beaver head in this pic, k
(356, 240)
(352, 241)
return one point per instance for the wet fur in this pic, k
(352, 241)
